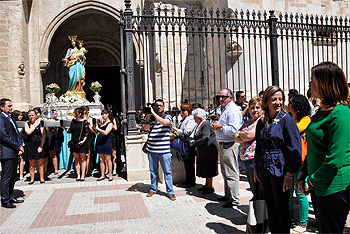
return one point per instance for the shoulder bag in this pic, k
(257, 220)
(181, 147)
(144, 147)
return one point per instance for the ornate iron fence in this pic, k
(174, 53)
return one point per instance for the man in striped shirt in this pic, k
(158, 149)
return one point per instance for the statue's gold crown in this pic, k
(80, 41)
(72, 37)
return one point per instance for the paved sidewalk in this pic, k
(63, 205)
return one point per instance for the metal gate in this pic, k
(174, 53)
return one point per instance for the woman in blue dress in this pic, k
(104, 145)
(76, 68)
(277, 157)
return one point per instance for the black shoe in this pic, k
(312, 223)
(31, 182)
(208, 191)
(99, 179)
(222, 199)
(42, 182)
(8, 205)
(14, 200)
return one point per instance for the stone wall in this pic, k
(13, 51)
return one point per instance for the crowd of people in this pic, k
(43, 143)
(301, 146)
(297, 145)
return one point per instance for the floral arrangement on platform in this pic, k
(71, 98)
(53, 88)
(96, 86)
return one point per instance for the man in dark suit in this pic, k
(10, 149)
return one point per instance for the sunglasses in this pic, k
(223, 97)
(183, 110)
(243, 96)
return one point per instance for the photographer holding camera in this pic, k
(158, 146)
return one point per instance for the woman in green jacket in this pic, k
(327, 164)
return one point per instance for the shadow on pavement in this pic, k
(193, 192)
(18, 193)
(223, 228)
(144, 188)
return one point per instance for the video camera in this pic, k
(147, 109)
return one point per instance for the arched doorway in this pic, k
(101, 34)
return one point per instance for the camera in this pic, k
(214, 117)
(147, 109)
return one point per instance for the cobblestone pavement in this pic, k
(63, 205)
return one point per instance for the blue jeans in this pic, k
(249, 170)
(165, 162)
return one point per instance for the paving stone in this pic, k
(65, 206)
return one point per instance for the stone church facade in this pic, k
(34, 38)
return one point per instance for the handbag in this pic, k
(181, 147)
(257, 220)
(75, 145)
(144, 147)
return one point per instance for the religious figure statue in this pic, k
(73, 61)
(81, 53)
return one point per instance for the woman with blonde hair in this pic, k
(327, 164)
(277, 157)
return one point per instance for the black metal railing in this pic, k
(176, 53)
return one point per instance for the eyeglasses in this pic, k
(183, 110)
(223, 97)
(243, 96)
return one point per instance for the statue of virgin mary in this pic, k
(76, 68)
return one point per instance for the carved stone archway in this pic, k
(59, 20)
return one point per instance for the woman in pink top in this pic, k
(246, 137)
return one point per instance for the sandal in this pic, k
(301, 228)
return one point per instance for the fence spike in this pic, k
(199, 11)
(138, 8)
(211, 12)
(236, 13)
(217, 12)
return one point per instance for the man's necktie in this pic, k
(9, 118)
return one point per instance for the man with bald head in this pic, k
(225, 128)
